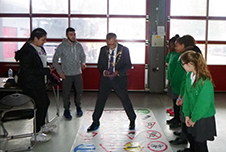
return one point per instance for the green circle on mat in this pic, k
(144, 111)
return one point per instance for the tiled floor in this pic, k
(65, 133)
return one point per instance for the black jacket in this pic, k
(32, 73)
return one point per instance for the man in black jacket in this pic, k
(113, 64)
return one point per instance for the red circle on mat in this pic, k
(152, 134)
(157, 146)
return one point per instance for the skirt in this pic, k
(171, 94)
(204, 129)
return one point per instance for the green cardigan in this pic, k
(178, 77)
(172, 58)
(168, 56)
(199, 100)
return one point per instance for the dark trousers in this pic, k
(201, 146)
(189, 137)
(176, 110)
(42, 103)
(78, 88)
(196, 146)
(119, 84)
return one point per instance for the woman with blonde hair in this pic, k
(198, 103)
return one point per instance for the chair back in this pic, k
(16, 106)
(16, 101)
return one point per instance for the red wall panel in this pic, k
(218, 73)
(136, 77)
(91, 76)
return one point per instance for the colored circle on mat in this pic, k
(152, 134)
(144, 111)
(85, 148)
(133, 147)
(157, 146)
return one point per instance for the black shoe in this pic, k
(178, 141)
(177, 133)
(79, 111)
(67, 114)
(93, 127)
(175, 125)
(184, 150)
(171, 121)
(132, 125)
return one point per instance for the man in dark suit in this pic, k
(113, 64)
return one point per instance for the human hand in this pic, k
(114, 74)
(187, 121)
(83, 66)
(191, 122)
(107, 74)
(62, 75)
(179, 102)
(51, 68)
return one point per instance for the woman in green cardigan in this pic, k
(198, 103)
(177, 77)
(171, 60)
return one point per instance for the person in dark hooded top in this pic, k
(31, 78)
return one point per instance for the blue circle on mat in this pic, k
(85, 148)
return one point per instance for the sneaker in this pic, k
(177, 133)
(171, 121)
(169, 110)
(48, 128)
(178, 141)
(67, 114)
(79, 112)
(175, 125)
(171, 113)
(41, 137)
(94, 126)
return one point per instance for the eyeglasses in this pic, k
(184, 63)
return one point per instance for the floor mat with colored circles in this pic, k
(113, 134)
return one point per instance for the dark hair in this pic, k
(174, 39)
(38, 32)
(69, 29)
(187, 40)
(110, 36)
(193, 48)
(171, 43)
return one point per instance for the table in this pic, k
(3, 88)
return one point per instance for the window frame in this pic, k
(206, 18)
(107, 16)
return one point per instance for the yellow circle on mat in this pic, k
(133, 147)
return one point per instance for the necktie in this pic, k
(111, 67)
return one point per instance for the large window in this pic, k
(92, 19)
(205, 20)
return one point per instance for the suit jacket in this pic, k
(122, 62)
